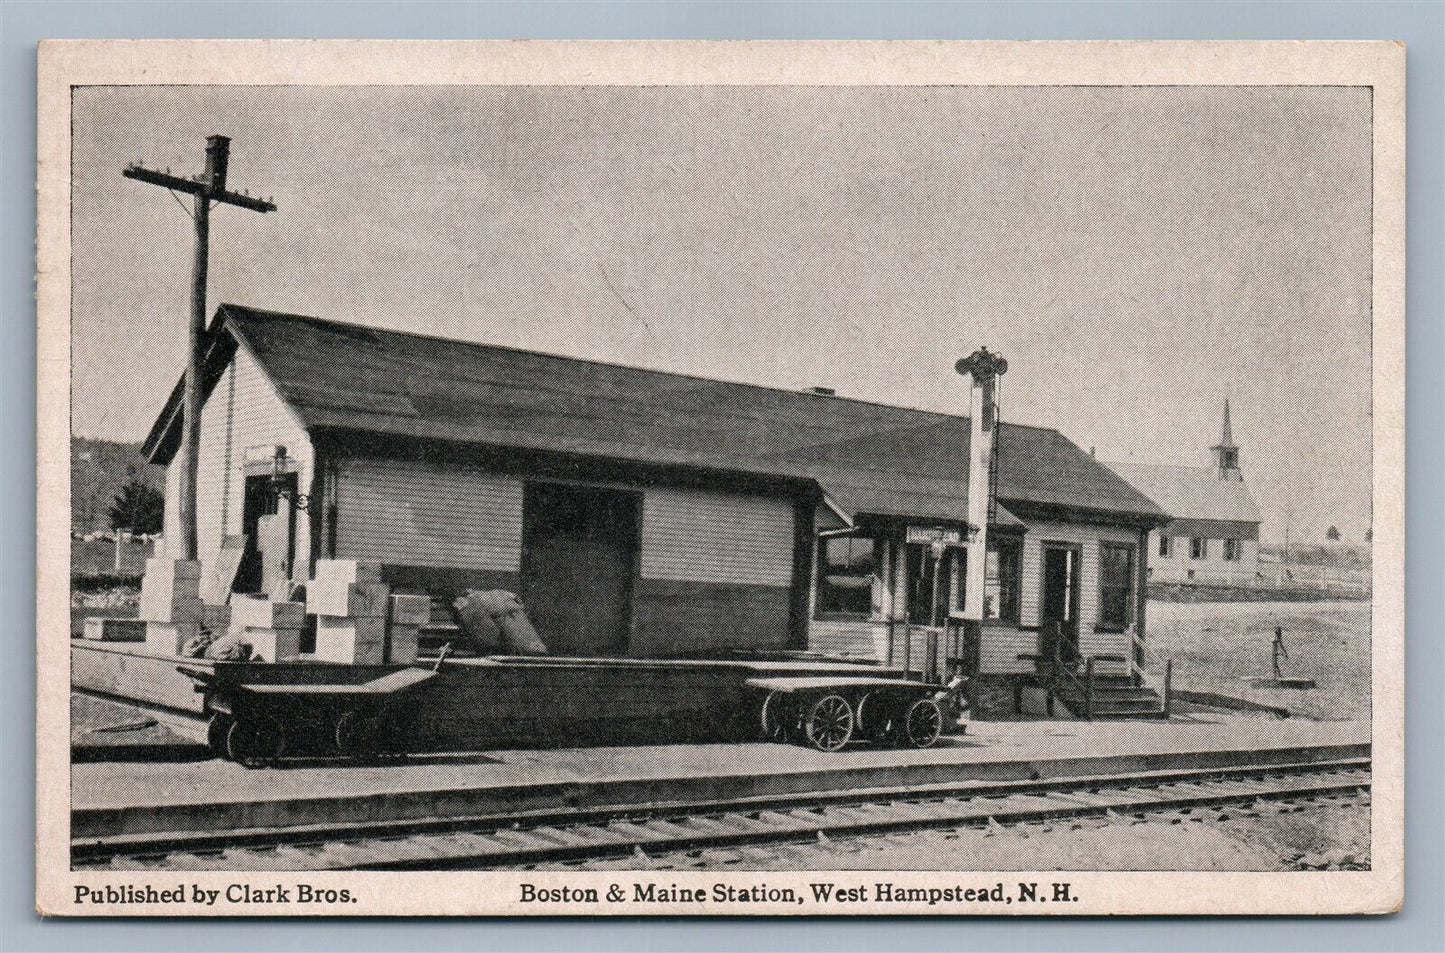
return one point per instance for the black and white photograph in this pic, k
(721, 484)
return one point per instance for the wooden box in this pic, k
(255, 612)
(115, 630)
(347, 600)
(410, 610)
(168, 638)
(273, 645)
(401, 644)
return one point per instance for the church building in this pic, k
(1214, 537)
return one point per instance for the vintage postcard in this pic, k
(625, 478)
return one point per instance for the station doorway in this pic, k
(579, 560)
(1059, 601)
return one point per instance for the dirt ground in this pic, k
(102, 730)
(1306, 835)
(1223, 646)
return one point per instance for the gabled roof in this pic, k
(1194, 493)
(871, 459)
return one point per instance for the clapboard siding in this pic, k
(1000, 647)
(243, 412)
(856, 638)
(1087, 537)
(702, 536)
(427, 514)
(672, 618)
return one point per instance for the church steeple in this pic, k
(1226, 454)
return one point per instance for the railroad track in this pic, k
(570, 836)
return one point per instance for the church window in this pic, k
(1231, 550)
(1198, 547)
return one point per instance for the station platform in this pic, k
(133, 797)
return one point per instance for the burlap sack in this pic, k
(229, 648)
(477, 625)
(504, 615)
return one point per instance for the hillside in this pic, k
(98, 470)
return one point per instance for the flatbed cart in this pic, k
(256, 723)
(829, 712)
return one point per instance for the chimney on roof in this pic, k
(824, 391)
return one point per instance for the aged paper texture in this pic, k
(558, 478)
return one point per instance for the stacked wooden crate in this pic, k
(408, 615)
(170, 604)
(358, 619)
(272, 629)
(101, 629)
(349, 601)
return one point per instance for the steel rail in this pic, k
(562, 836)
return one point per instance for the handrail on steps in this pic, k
(1060, 673)
(1139, 656)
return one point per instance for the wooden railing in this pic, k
(1139, 655)
(935, 649)
(1063, 675)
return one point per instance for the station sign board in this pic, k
(934, 536)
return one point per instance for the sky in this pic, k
(1137, 254)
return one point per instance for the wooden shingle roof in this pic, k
(1195, 493)
(871, 459)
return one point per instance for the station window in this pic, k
(1198, 547)
(1116, 586)
(1231, 550)
(1166, 546)
(1001, 578)
(847, 566)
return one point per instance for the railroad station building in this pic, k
(648, 514)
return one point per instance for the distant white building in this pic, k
(1214, 537)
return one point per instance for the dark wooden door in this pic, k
(1059, 601)
(579, 558)
(929, 580)
(261, 500)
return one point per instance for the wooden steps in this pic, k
(1115, 697)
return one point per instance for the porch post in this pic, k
(1141, 598)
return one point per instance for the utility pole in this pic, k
(206, 188)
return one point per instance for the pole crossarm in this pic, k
(207, 188)
(194, 187)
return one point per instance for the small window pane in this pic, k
(1116, 585)
(1001, 579)
(846, 567)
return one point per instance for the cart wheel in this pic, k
(216, 731)
(871, 718)
(256, 742)
(358, 736)
(829, 723)
(775, 717)
(922, 724)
